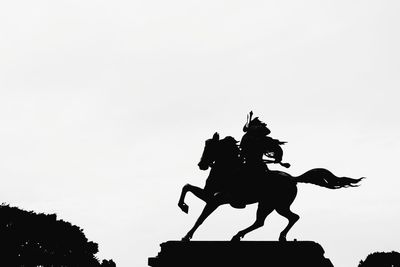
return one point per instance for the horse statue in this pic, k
(228, 184)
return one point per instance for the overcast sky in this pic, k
(105, 107)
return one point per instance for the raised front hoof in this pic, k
(183, 207)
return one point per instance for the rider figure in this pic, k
(256, 143)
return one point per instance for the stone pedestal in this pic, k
(243, 254)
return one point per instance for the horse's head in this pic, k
(209, 152)
(224, 150)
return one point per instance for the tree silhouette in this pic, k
(381, 259)
(31, 239)
(108, 263)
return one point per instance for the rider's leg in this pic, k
(263, 211)
(213, 203)
(291, 216)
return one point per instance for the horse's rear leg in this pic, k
(263, 211)
(197, 191)
(214, 203)
(291, 216)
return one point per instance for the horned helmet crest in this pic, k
(255, 124)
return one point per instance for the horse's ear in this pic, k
(216, 136)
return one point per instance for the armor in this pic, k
(256, 143)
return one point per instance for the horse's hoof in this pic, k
(185, 239)
(282, 238)
(236, 238)
(184, 207)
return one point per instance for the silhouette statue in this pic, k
(238, 177)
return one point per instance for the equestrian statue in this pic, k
(239, 176)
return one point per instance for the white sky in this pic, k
(94, 94)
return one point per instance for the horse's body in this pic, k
(272, 190)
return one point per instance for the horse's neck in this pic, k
(226, 164)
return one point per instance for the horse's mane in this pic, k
(229, 146)
(230, 140)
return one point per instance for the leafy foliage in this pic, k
(32, 239)
(381, 259)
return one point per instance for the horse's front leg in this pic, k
(214, 203)
(197, 191)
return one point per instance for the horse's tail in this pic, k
(325, 178)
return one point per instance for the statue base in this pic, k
(242, 253)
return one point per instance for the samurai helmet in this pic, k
(255, 125)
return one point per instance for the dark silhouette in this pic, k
(232, 182)
(108, 263)
(381, 259)
(31, 239)
(256, 143)
(240, 254)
